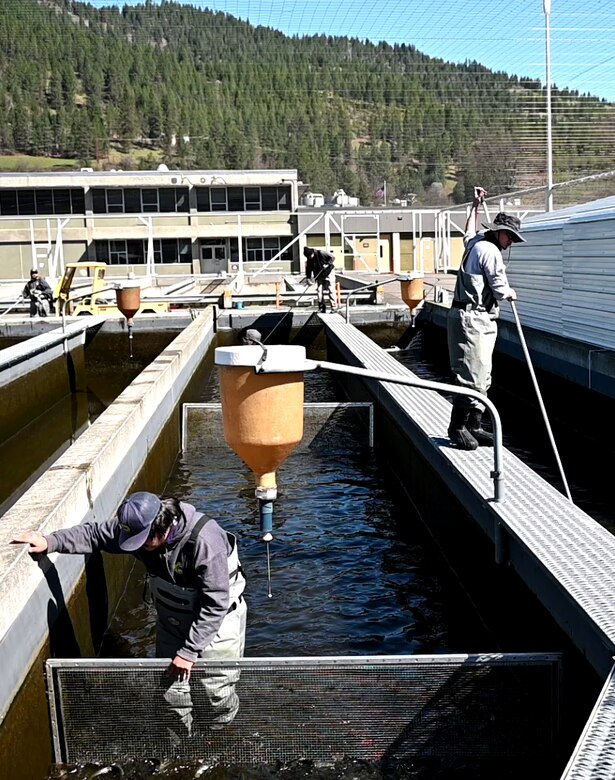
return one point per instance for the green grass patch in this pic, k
(23, 163)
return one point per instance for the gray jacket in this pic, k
(481, 280)
(204, 567)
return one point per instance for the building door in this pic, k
(213, 257)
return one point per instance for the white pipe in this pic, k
(547, 10)
(412, 381)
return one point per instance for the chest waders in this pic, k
(177, 607)
(471, 335)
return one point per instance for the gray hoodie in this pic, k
(204, 567)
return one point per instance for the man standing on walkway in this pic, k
(472, 319)
(320, 268)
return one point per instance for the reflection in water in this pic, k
(52, 430)
(36, 446)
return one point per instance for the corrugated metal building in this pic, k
(564, 274)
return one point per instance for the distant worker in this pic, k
(472, 319)
(251, 336)
(40, 295)
(196, 583)
(320, 268)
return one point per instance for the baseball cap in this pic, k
(136, 514)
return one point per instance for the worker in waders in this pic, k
(320, 268)
(196, 584)
(472, 319)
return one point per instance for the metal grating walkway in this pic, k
(594, 756)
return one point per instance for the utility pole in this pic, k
(547, 9)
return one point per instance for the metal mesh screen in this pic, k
(202, 425)
(499, 708)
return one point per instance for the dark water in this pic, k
(353, 573)
(346, 557)
(108, 371)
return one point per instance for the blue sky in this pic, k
(504, 35)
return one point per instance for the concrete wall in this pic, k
(37, 373)
(132, 445)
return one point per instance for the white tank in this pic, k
(313, 199)
(339, 198)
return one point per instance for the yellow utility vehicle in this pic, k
(90, 294)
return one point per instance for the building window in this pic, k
(40, 202)
(134, 251)
(253, 198)
(115, 201)
(99, 201)
(170, 252)
(118, 253)
(25, 202)
(243, 198)
(173, 250)
(235, 198)
(77, 200)
(149, 198)
(182, 199)
(102, 251)
(61, 202)
(260, 250)
(276, 198)
(271, 246)
(138, 201)
(202, 199)
(217, 196)
(132, 201)
(44, 201)
(284, 199)
(8, 203)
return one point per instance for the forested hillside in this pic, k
(169, 82)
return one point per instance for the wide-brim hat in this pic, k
(136, 515)
(507, 222)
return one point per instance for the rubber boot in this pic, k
(483, 437)
(459, 435)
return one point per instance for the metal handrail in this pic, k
(369, 286)
(401, 379)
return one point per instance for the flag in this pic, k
(380, 192)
